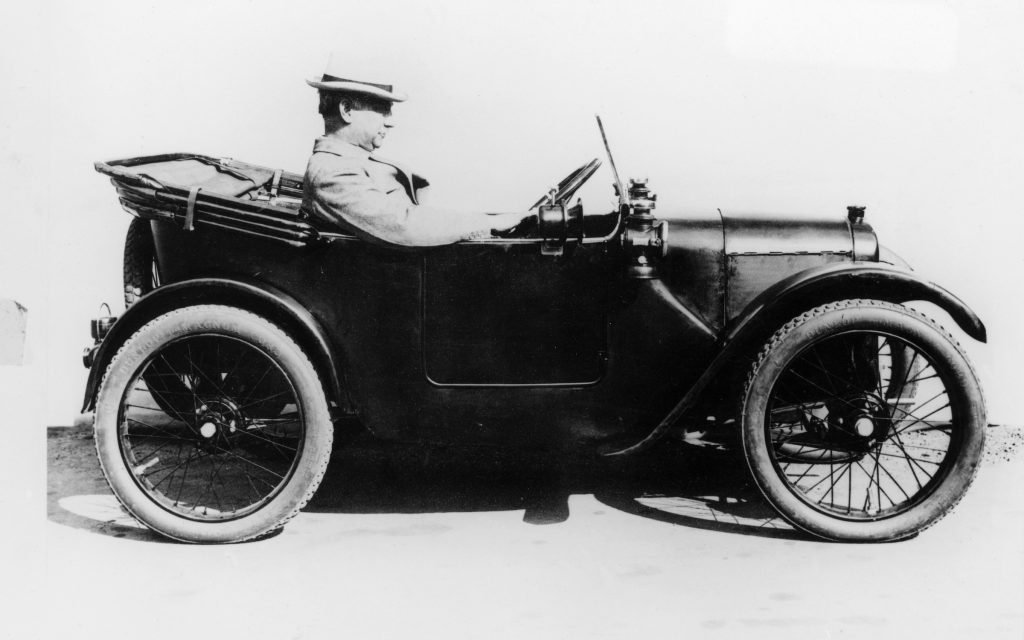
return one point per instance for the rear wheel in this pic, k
(863, 421)
(233, 447)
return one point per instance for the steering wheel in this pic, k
(572, 182)
(565, 189)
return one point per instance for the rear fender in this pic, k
(269, 302)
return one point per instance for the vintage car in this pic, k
(251, 331)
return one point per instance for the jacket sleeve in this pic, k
(349, 194)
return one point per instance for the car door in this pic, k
(498, 313)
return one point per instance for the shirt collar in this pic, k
(328, 144)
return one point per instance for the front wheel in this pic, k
(212, 425)
(863, 421)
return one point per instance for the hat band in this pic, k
(329, 78)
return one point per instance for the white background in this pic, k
(910, 108)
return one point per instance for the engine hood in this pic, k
(716, 263)
(746, 234)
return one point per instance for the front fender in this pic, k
(875, 280)
(258, 297)
(802, 291)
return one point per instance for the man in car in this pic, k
(355, 191)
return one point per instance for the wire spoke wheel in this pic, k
(212, 425)
(862, 421)
(844, 443)
(212, 457)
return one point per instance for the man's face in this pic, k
(369, 125)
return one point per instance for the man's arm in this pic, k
(352, 196)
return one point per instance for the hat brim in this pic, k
(357, 87)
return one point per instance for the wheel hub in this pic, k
(208, 430)
(864, 426)
(862, 418)
(828, 433)
(218, 419)
(839, 431)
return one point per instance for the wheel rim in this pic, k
(211, 427)
(861, 425)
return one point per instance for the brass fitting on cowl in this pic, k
(644, 235)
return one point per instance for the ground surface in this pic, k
(477, 543)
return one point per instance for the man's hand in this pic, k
(513, 225)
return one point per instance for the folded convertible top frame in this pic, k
(192, 206)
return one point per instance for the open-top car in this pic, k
(251, 330)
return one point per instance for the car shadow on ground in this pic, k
(697, 487)
(680, 484)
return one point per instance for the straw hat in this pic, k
(334, 80)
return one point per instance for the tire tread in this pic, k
(783, 332)
(138, 261)
(318, 473)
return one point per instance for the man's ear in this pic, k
(345, 111)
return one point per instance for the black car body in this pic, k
(603, 332)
